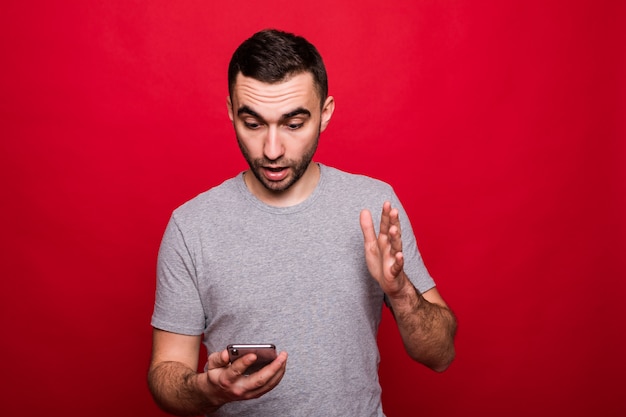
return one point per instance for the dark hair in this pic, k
(271, 55)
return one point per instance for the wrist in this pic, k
(407, 294)
(211, 401)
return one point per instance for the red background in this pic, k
(500, 124)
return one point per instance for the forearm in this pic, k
(180, 390)
(427, 329)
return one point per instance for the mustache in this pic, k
(279, 162)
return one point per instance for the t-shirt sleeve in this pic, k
(413, 263)
(177, 306)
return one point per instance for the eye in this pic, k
(294, 125)
(251, 125)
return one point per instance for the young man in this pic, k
(287, 253)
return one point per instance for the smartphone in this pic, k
(265, 353)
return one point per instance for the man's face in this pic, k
(278, 127)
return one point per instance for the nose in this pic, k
(273, 147)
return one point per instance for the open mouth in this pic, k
(275, 173)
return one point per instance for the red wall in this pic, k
(501, 125)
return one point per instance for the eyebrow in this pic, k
(297, 112)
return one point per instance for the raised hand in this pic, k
(383, 253)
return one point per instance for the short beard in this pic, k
(299, 167)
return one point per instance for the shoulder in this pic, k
(355, 183)
(224, 195)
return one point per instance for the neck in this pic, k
(294, 195)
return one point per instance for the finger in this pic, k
(266, 378)
(273, 367)
(217, 360)
(367, 227)
(395, 239)
(384, 218)
(394, 218)
(279, 362)
(398, 265)
(238, 367)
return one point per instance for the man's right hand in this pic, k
(179, 389)
(228, 383)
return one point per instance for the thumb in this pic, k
(218, 360)
(367, 227)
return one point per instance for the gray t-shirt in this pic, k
(239, 271)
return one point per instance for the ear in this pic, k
(229, 107)
(327, 112)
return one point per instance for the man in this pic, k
(287, 253)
